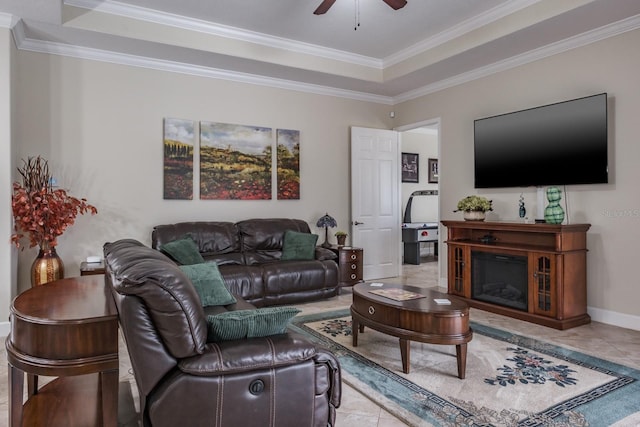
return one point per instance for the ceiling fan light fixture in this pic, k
(326, 5)
(396, 4)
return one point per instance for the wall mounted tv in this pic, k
(557, 144)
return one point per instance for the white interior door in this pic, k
(375, 200)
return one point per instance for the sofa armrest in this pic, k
(323, 254)
(250, 354)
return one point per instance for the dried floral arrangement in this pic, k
(40, 211)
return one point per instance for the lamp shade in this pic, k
(326, 221)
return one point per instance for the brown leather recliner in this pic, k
(183, 380)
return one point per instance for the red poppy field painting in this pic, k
(235, 161)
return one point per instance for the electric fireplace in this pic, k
(499, 279)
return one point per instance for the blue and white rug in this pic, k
(511, 380)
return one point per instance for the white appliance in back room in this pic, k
(420, 224)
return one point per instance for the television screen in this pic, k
(556, 144)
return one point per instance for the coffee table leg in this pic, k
(355, 326)
(405, 352)
(461, 355)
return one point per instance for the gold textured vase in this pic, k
(47, 266)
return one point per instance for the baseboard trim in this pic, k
(613, 318)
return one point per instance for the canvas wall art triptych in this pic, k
(235, 162)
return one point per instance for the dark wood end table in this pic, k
(89, 268)
(350, 264)
(420, 319)
(67, 329)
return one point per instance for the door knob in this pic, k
(358, 223)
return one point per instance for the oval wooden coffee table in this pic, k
(414, 319)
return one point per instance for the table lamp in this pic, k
(326, 221)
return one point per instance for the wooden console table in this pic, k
(556, 267)
(67, 329)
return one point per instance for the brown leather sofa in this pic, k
(183, 380)
(248, 256)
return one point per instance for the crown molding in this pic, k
(607, 31)
(193, 24)
(81, 52)
(57, 48)
(459, 30)
(7, 20)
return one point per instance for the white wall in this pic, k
(612, 209)
(101, 127)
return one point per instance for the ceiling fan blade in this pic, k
(324, 6)
(396, 4)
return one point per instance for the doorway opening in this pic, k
(420, 241)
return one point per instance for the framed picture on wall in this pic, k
(432, 164)
(410, 167)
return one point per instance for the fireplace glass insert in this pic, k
(499, 279)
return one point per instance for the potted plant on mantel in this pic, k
(474, 208)
(43, 213)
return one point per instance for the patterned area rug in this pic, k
(511, 380)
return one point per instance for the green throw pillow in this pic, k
(240, 324)
(298, 245)
(209, 284)
(184, 251)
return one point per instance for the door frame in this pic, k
(436, 121)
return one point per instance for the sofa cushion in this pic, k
(299, 246)
(267, 234)
(244, 281)
(184, 251)
(240, 324)
(209, 284)
(217, 241)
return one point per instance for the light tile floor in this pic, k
(609, 342)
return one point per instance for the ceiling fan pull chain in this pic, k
(356, 14)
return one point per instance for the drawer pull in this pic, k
(372, 310)
(353, 276)
(353, 266)
(353, 256)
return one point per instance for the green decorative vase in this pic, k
(553, 213)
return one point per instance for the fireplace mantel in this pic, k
(556, 267)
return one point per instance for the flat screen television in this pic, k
(556, 144)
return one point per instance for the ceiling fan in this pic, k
(326, 5)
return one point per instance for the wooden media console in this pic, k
(546, 262)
